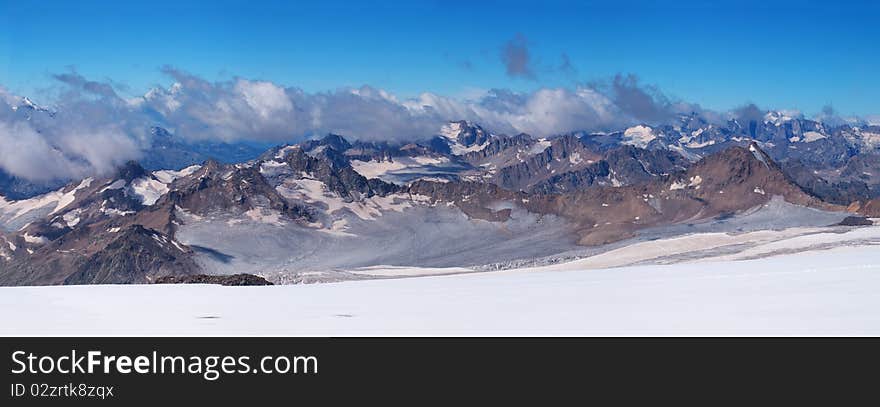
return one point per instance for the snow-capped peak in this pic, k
(464, 137)
(451, 130)
(25, 102)
(780, 117)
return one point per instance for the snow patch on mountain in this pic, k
(638, 136)
(870, 139)
(401, 170)
(758, 155)
(67, 198)
(34, 239)
(72, 218)
(695, 144)
(283, 151)
(120, 183)
(17, 214)
(265, 215)
(310, 191)
(376, 169)
(168, 176)
(271, 169)
(149, 190)
(812, 136)
(778, 118)
(539, 146)
(113, 211)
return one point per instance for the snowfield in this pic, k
(818, 292)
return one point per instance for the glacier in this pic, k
(819, 292)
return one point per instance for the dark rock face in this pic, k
(497, 145)
(222, 187)
(130, 171)
(439, 145)
(824, 153)
(336, 142)
(138, 255)
(574, 180)
(633, 165)
(842, 193)
(863, 168)
(525, 164)
(228, 280)
(568, 165)
(856, 221)
(471, 134)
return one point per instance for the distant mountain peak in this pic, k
(130, 171)
(465, 137)
(336, 142)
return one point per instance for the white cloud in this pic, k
(95, 129)
(265, 98)
(28, 154)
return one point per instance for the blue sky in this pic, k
(783, 55)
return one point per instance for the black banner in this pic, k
(100, 371)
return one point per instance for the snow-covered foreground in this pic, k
(821, 292)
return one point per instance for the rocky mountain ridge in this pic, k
(127, 228)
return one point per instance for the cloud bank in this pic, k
(91, 129)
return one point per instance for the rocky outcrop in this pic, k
(92, 255)
(574, 180)
(627, 165)
(842, 192)
(470, 134)
(522, 167)
(633, 165)
(339, 178)
(228, 280)
(856, 221)
(216, 187)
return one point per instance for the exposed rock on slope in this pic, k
(732, 180)
(229, 280)
(870, 208)
(136, 255)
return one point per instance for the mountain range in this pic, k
(323, 209)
